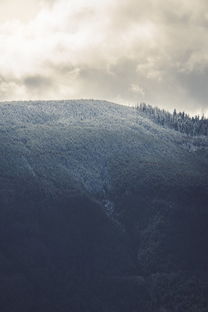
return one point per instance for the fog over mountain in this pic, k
(101, 209)
(126, 51)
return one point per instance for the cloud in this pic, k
(126, 50)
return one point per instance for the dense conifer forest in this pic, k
(101, 210)
(179, 121)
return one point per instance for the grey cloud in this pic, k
(37, 86)
(196, 85)
(131, 50)
(37, 82)
(111, 82)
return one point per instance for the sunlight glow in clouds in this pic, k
(127, 51)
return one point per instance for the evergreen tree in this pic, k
(182, 122)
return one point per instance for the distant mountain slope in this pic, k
(101, 209)
(95, 144)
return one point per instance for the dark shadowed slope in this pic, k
(101, 210)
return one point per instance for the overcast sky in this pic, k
(126, 51)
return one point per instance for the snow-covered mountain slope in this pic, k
(100, 210)
(94, 145)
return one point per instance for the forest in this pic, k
(179, 121)
(101, 210)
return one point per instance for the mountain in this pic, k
(102, 209)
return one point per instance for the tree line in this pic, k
(179, 121)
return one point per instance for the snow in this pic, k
(97, 145)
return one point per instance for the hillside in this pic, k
(101, 209)
(87, 142)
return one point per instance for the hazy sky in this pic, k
(122, 50)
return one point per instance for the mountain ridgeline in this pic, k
(192, 126)
(103, 207)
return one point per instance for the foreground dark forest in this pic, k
(101, 209)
